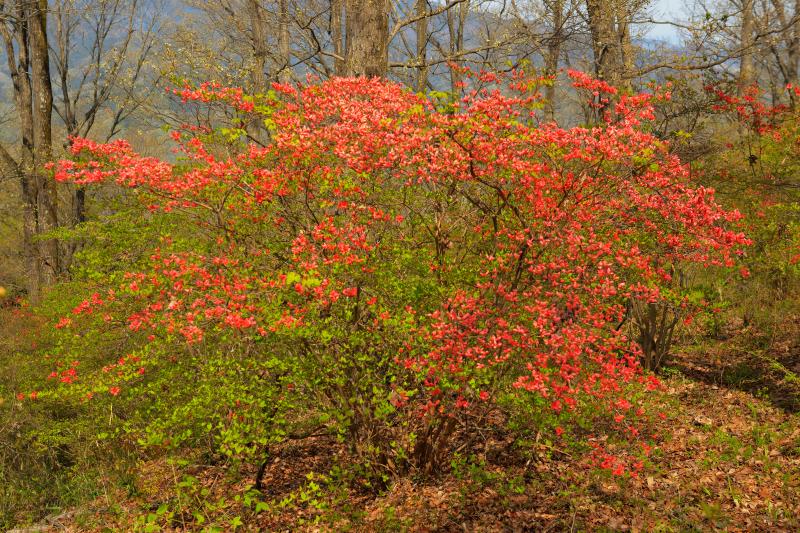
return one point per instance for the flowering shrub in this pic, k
(393, 267)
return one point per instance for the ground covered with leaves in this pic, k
(729, 461)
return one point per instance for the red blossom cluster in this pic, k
(750, 108)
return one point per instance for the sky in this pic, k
(673, 10)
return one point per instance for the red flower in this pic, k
(350, 292)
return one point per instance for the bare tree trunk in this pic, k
(337, 37)
(27, 54)
(625, 46)
(259, 36)
(421, 9)
(606, 41)
(46, 201)
(285, 73)
(554, 43)
(788, 63)
(456, 19)
(23, 98)
(367, 38)
(746, 43)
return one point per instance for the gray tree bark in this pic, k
(367, 32)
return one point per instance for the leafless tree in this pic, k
(23, 28)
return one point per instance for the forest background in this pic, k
(367, 264)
